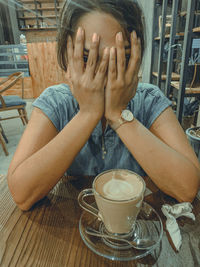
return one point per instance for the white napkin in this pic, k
(173, 212)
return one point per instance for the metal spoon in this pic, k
(139, 244)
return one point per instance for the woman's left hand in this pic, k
(122, 83)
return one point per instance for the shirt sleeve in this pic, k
(155, 103)
(47, 103)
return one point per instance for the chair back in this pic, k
(8, 82)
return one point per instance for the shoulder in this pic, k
(147, 93)
(57, 95)
(148, 103)
(56, 91)
(58, 104)
(147, 90)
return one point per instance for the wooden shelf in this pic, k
(177, 60)
(39, 1)
(39, 9)
(27, 2)
(180, 34)
(196, 29)
(48, 8)
(184, 13)
(175, 76)
(39, 17)
(194, 90)
(39, 29)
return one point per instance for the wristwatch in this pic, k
(126, 116)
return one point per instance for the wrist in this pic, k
(114, 117)
(126, 116)
(91, 116)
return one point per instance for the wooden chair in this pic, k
(13, 102)
(2, 132)
(3, 139)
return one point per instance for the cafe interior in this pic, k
(63, 229)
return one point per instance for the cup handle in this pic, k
(85, 193)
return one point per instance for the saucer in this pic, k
(148, 225)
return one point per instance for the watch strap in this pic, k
(117, 124)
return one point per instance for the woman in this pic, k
(105, 119)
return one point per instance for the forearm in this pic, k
(35, 177)
(171, 171)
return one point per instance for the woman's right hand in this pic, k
(87, 82)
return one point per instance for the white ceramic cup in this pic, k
(118, 194)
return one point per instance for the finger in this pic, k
(139, 57)
(121, 62)
(78, 51)
(101, 72)
(93, 54)
(70, 52)
(134, 85)
(135, 59)
(112, 70)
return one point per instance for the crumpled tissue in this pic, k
(172, 213)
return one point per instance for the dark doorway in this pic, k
(6, 33)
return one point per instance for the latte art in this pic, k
(118, 189)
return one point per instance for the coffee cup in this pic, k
(118, 195)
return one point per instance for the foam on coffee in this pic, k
(119, 186)
(118, 189)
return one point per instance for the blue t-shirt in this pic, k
(102, 151)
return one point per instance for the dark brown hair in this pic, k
(126, 12)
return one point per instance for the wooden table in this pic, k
(48, 234)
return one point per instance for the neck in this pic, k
(103, 122)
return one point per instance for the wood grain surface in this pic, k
(17, 88)
(48, 234)
(44, 69)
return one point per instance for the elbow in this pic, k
(186, 198)
(190, 191)
(19, 198)
(23, 205)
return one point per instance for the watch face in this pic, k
(127, 115)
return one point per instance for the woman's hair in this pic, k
(126, 12)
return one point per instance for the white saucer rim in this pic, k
(114, 258)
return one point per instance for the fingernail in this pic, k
(69, 38)
(120, 36)
(106, 50)
(112, 50)
(95, 38)
(79, 32)
(134, 34)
